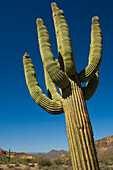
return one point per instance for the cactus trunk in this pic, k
(79, 130)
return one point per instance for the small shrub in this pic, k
(44, 162)
(57, 161)
(52, 167)
(67, 161)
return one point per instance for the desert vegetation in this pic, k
(37, 163)
(54, 159)
(42, 163)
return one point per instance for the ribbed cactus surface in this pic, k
(63, 73)
(79, 130)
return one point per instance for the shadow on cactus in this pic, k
(63, 74)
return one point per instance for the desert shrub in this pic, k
(20, 161)
(58, 161)
(52, 167)
(45, 162)
(4, 160)
(36, 159)
(57, 167)
(107, 161)
(110, 160)
(67, 161)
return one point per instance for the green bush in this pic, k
(58, 161)
(45, 162)
(67, 161)
(107, 161)
(4, 160)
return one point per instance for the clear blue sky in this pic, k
(24, 126)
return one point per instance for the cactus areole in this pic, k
(62, 73)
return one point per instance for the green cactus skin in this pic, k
(95, 56)
(62, 73)
(79, 130)
(51, 106)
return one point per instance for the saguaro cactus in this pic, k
(9, 155)
(62, 73)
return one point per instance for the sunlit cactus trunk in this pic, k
(63, 74)
(79, 130)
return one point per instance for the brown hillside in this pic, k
(104, 147)
(4, 153)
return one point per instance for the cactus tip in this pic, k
(53, 4)
(26, 55)
(38, 21)
(95, 20)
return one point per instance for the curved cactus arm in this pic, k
(95, 52)
(91, 86)
(56, 74)
(51, 106)
(51, 88)
(63, 40)
(55, 9)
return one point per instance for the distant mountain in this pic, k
(104, 148)
(52, 154)
(34, 153)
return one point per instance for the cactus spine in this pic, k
(62, 73)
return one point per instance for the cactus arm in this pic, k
(55, 73)
(54, 11)
(63, 40)
(95, 52)
(91, 86)
(51, 106)
(51, 88)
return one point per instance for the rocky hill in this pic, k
(23, 155)
(104, 148)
